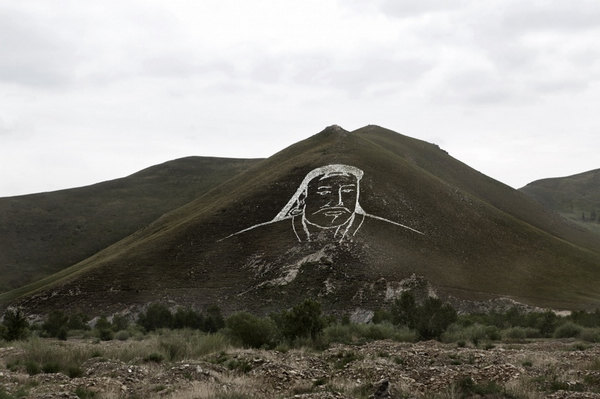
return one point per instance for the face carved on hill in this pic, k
(331, 200)
(326, 206)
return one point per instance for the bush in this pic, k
(590, 334)
(78, 321)
(430, 320)
(119, 323)
(568, 330)
(156, 316)
(474, 333)
(55, 322)
(214, 320)
(304, 320)
(188, 318)
(252, 331)
(15, 325)
(519, 333)
(433, 318)
(122, 335)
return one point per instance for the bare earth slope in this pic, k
(471, 237)
(44, 233)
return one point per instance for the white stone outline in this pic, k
(294, 207)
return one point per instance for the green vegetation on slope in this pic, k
(576, 197)
(44, 233)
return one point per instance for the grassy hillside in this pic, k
(43, 233)
(575, 197)
(482, 239)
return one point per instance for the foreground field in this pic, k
(187, 365)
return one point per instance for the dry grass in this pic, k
(169, 345)
(523, 388)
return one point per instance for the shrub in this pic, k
(404, 310)
(156, 316)
(15, 325)
(568, 330)
(188, 318)
(32, 367)
(119, 323)
(518, 333)
(214, 320)
(430, 320)
(303, 320)
(474, 333)
(590, 334)
(122, 335)
(251, 330)
(105, 334)
(78, 321)
(433, 318)
(55, 322)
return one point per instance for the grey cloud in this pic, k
(405, 9)
(30, 54)
(478, 87)
(358, 75)
(553, 15)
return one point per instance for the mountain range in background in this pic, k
(349, 218)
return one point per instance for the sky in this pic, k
(92, 91)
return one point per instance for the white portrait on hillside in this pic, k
(326, 206)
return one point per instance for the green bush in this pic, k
(15, 325)
(252, 331)
(568, 330)
(188, 318)
(78, 321)
(55, 322)
(590, 334)
(303, 320)
(430, 320)
(474, 333)
(433, 318)
(119, 323)
(213, 321)
(122, 335)
(519, 333)
(156, 316)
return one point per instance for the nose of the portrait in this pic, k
(340, 199)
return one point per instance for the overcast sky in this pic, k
(95, 90)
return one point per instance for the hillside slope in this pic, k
(260, 240)
(576, 197)
(43, 233)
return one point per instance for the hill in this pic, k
(575, 197)
(348, 218)
(44, 233)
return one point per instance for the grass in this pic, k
(50, 356)
(355, 333)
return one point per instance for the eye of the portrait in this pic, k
(347, 190)
(323, 192)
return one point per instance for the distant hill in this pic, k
(345, 217)
(44, 233)
(575, 197)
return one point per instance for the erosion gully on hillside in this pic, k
(381, 369)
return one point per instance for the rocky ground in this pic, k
(380, 369)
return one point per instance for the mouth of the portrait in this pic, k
(332, 211)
